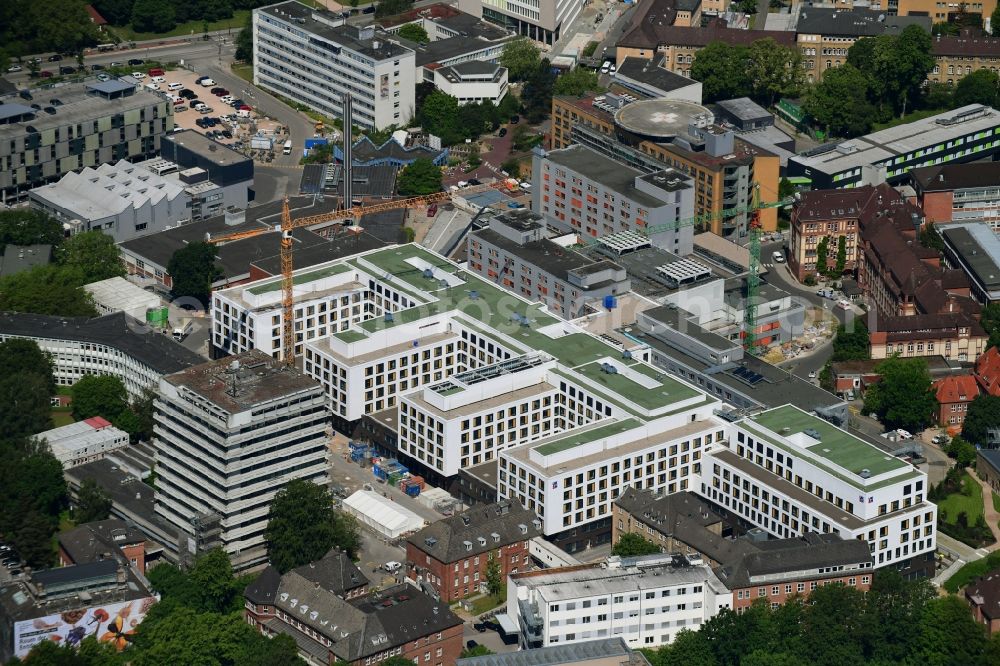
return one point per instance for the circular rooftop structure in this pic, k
(661, 119)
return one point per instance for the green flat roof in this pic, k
(668, 392)
(574, 439)
(835, 446)
(335, 269)
(350, 335)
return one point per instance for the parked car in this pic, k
(812, 375)
(778, 256)
(55, 101)
(25, 94)
(205, 110)
(103, 77)
(14, 68)
(515, 120)
(218, 92)
(502, 133)
(227, 134)
(158, 79)
(844, 304)
(117, 64)
(207, 82)
(432, 210)
(370, 9)
(941, 440)
(67, 70)
(45, 74)
(139, 76)
(175, 86)
(156, 71)
(96, 68)
(187, 93)
(135, 61)
(54, 58)
(470, 644)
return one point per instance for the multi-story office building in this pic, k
(789, 472)
(580, 190)
(314, 57)
(228, 435)
(472, 82)
(824, 34)
(655, 134)
(114, 344)
(975, 249)
(93, 123)
(942, 12)
(200, 162)
(965, 134)
(959, 193)
(540, 20)
(646, 601)
(515, 252)
(833, 214)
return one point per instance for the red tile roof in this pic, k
(97, 422)
(958, 388)
(988, 371)
(95, 16)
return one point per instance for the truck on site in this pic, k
(183, 329)
(287, 149)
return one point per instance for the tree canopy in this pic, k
(303, 526)
(895, 68)
(93, 255)
(773, 71)
(851, 345)
(840, 101)
(99, 395)
(630, 545)
(33, 493)
(979, 87)
(536, 96)
(722, 70)
(244, 41)
(421, 176)
(990, 321)
(903, 397)
(92, 502)
(28, 27)
(521, 57)
(26, 226)
(577, 81)
(26, 384)
(193, 270)
(983, 415)
(415, 33)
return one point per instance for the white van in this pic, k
(158, 79)
(175, 86)
(152, 86)
(287, 149)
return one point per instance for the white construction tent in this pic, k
(385, 516)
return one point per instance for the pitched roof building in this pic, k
(983, 595)
(988, 371)
(954, 394)
(471, 540)
(102, 540)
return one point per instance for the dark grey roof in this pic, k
(449, 539)
(475, 67)
(215, 152)
(14, 110)
(991, 457)
(98, 540)
(744, 108)
(366, 151)
(947, 177)
(110, 87)
(855, 23)
(808, 554)
(605, 651)
(979, 258)
(682, 321)
(548, 256)
(370, 180)
(984, 592)
(335, 572)
(343, 244)
(264, 588)
(76, 572)
(117, 330)
(652, 74)
(611, 174)
(17, 258)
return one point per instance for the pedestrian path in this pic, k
(991, 515)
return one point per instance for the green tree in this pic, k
(478, 651)
(983, 416)
(24, 404)
(32, 494)
(193, 270)
(903, 397)
(92, 503)
(898, 67)
(59, 25)
(49, 290)
(89, 652)
(979, 87)
(494, 577)
(840, 101)
(995, 21)
(853, 345)
(930, 238)
(841, 255)
(722, 70)
(832, 626)
(631, 545)
(22, 355)
(439, 116)
(990, 321)
(142, 408)
(962, 451)
(773, 70)
(822, 252)
(521, 58)
(115, 12)
(893, 607)
(99, 395)
(93, 255)
(244, 41)
(576, 82)
(415, 33)
(536, 96)
(421, 176)
(25, 226)
(948, 634)
(153, 16)
(392, 7)
(303, 526)
(939, 95)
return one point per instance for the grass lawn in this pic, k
(486, 603)
(245, 72)
(908, 118)
(61, 416)
(996, 502)
(971, 571)
(970, 500)
(189, 29)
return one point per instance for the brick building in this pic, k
(332, 616)
(956, 337)
(957, 56)
(983, 596)
(988, 467)
(954, 394)
(987, 371)
(830, 214)
(959, 192)
(100, 540)
(453, 554)
(784, 568)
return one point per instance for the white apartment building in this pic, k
(646, 601)
(540, 20)
(228, 435)
(114, 344)
(582, 191)
(314, 57)
(83, 442)
(472, 82)
(789, 473)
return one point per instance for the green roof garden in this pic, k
(668, 391)
(349, 336)
(835, 446)
(575, 438)
(301, 278)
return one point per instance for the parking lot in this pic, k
(228, 116)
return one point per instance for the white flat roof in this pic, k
(117, 293)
